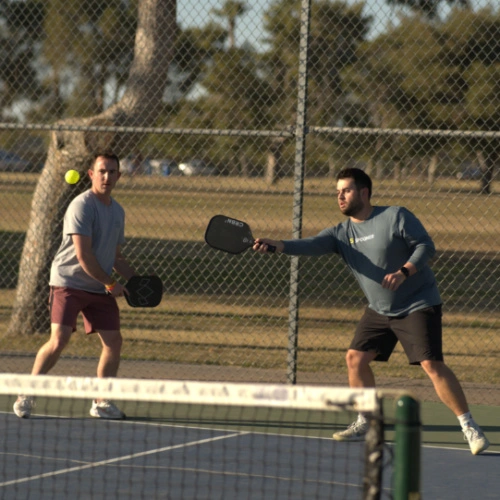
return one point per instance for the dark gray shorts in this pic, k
(100, 311)
(420, 334)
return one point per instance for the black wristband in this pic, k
(405, 271)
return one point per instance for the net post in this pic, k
(374, 455)
(407, 449)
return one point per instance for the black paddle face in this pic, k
(144, 291)
(229, 235)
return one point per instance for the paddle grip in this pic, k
(271, 248)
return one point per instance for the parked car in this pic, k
(469, 172)
(165, 166)
(132, 164)
(10, 162)
(197, 167)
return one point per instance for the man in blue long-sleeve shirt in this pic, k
(387, 249)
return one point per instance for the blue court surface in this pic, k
(59, 458)
(127, 459)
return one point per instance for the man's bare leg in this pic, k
(358, 368)
(360, 375)
(49, 353)
(447, 386)
(45, 360)
(109, 361)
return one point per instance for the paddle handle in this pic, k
(271, 248)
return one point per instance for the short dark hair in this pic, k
(361, 178)
(105, 154)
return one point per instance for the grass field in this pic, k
(233, 310)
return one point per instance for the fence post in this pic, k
(298, 189)
(407, 449)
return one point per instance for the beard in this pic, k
(354, 208)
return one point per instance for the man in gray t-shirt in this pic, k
(81, 281)
(387, 250)
(104, 225)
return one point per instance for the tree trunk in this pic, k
(154, 50)
(487, 159)
(431, 171)
(273, 168)
(244, 165)
(396, 172)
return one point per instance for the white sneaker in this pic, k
(106, 409)
(477, 440)
(23, 406)
(355, 432)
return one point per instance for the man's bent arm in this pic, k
(87, 259)
(122, 267)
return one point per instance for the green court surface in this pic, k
(440, 427)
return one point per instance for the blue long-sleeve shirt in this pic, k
(389, 238)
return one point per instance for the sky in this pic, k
(250, 28)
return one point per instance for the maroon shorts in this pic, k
(420, 334)
(100, 312)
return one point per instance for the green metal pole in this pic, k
(407, 449)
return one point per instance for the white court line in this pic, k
(119, 459)
(455, 448)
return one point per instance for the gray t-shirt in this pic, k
(88, 216)
(389, 238)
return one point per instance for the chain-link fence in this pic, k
(249, 109)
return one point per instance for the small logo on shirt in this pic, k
(361, 239)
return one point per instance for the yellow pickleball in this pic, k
(72, 177)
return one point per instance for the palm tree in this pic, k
(231, 10)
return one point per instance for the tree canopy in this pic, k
(72, 58)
